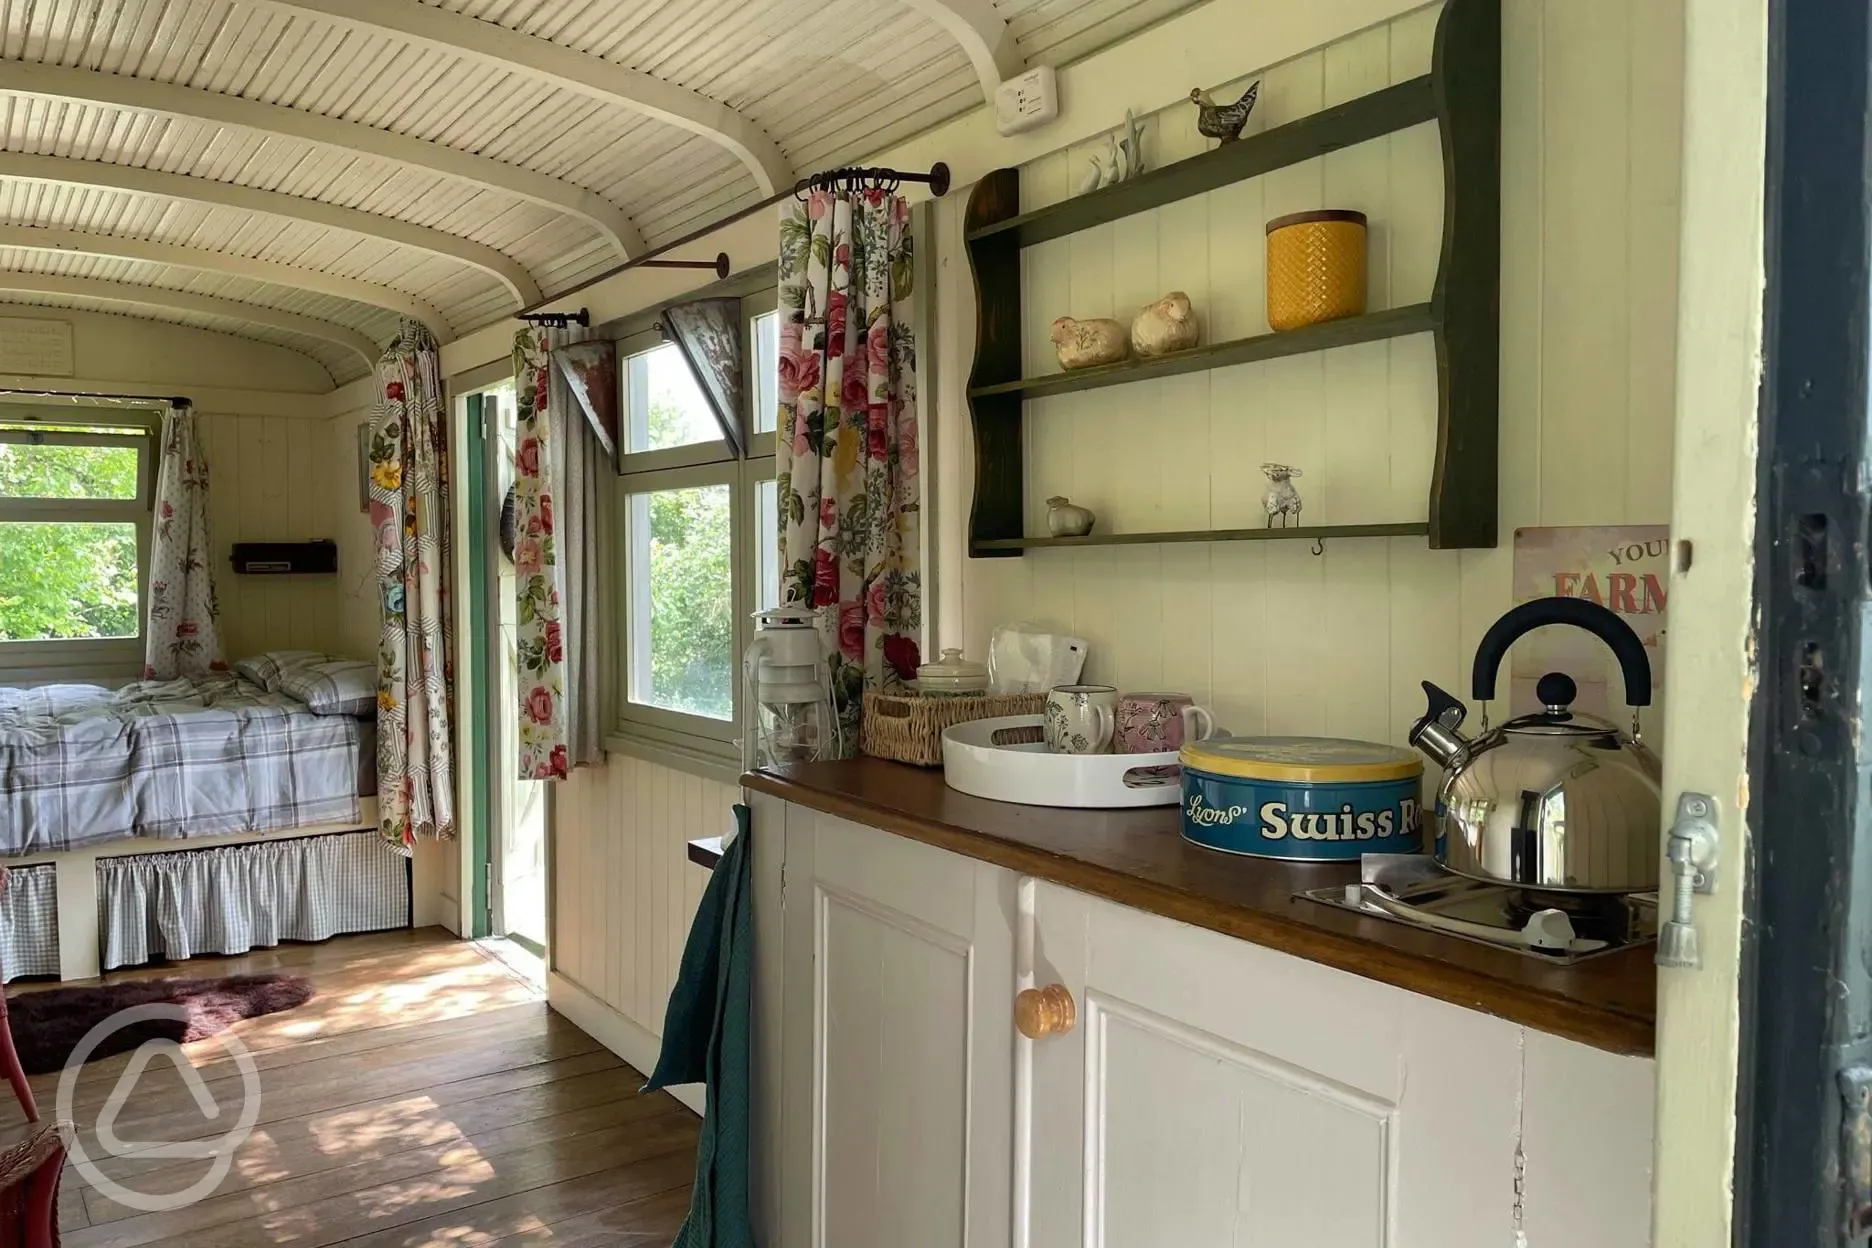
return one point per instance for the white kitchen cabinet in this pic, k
(1214, 1092)
(1209, 1091)
(897, 1045)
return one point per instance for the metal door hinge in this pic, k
(1693, 848)
(1855, 1087)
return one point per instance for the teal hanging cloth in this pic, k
(706, 1040)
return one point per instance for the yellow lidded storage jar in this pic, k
(1315, 267)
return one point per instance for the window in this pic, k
(682, 605)
(74, 539)
(699, 541)
(666, 406)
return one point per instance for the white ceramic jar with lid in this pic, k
(952, 676)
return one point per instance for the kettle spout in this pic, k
(1435, 735)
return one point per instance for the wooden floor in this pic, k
(426, 1096)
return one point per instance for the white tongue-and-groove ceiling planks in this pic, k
(305, 171)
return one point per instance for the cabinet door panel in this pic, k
(894, 996)
(897, 1049)
(1247, 1097)
(1211, 1170)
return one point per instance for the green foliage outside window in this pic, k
(63, 580)
(692, 657)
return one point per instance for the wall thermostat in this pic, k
(1027, 101)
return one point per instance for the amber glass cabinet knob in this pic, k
(1042, 1012)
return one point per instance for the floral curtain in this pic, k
(577, 467)
(540, 644)
(847, 455)
(181, 638)
(409, 501)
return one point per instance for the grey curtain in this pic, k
(241, 897)
(578, 461)
(29, 931)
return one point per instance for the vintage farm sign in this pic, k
(1623, 567)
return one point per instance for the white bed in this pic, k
(83, 766)
(173, 818)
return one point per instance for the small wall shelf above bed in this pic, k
(1462, 94)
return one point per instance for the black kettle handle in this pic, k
(1634, 663)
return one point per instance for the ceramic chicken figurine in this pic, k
(1217, 121)
(1165, 326)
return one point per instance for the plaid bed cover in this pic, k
(81, 765)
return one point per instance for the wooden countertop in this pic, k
(1137, 858)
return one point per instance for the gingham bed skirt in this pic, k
(242, 897)
(29, 935)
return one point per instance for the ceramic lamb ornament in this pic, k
(1167, 325)
(1281, 499)
(1082, 344)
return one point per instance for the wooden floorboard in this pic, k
(425, 1098)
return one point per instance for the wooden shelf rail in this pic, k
(1343, 125)
(1417, 318)
(1315, 532)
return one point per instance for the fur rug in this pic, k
(48, 1025)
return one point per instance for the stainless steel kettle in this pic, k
(1557, 800)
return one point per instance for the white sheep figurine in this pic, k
(1281, 499)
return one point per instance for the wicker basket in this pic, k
(908, 729)
(1315, 267)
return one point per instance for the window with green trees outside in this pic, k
(693, 564)
(74, 521)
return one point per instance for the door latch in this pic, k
(1692, 850)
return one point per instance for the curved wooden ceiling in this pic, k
(304, 171)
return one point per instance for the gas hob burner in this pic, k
(1555, 927)
(1594, 916)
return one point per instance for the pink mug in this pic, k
(1153, 723)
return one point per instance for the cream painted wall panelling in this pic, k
(624, 890)
(272, 480)
(1276, 639)
(357, 597)
(142, 355)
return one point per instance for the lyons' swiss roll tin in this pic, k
(1317, 799)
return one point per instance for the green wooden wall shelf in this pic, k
(1462, 94)
(1392, 323)
(1310, 532)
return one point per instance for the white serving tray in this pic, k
(974, 764)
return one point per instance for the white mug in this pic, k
(1080, 719)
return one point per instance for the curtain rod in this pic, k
(937, 179)
(173, 400)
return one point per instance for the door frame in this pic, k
(1711, 660)
(1803, 1167)
(478, 914)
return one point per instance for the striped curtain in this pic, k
(409, 501)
